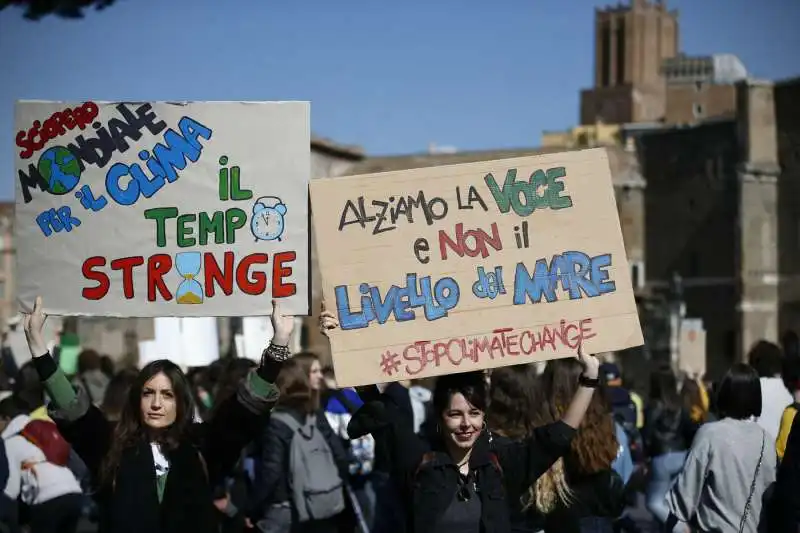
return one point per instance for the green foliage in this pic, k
(71, 9)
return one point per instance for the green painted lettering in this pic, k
(235, 219)
(214, 224)
(184, 237)
(160, 215)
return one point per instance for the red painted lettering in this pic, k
(223, 278)
(473, 247)
(103, 283)
(259, 283)
(158, 266)
(279, 272)
(126, 265)
(39, 134)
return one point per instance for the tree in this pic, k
(71, 9)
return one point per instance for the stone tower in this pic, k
(631, 41)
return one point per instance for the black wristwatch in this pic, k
(590, 383)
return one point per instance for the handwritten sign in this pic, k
(465, 267)
(162, 209)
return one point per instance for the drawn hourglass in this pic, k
(187, 264)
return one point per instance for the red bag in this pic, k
(45, 436)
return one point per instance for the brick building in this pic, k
(641, 76)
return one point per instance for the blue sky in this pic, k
(389, 76)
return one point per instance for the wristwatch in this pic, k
(590, 383)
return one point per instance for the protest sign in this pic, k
(163, 209)
(465, 267)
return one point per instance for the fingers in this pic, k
(37, 305)
(276, 308)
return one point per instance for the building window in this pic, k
(605, 55)
(698, 86)
(620, 59)
(698, 110)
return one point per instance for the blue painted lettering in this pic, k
(435, 300)
(57, 220)
(165, 162)
(577, 273)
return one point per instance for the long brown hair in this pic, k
(295, 385)
(595, 445)
(131, 428)
(511, 401)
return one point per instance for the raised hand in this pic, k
(590, 363)
(282, 325)
(33, 325)
(327, 321)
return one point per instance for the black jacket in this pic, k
(667, 430)
(208, 452)
(274, 476)
(784, 509)
(598, 496)
(428, 479)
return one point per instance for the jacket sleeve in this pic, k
(275, 439)
(387, 423)
(785, 429)
(785, 515)
(80, 423)
(237, 419)
(685, 494)
(529, 458)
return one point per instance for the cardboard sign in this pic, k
(162, 209)
(692, 346)
(466, 267)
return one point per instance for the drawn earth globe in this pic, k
(60, 168)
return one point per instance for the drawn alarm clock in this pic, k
(267, 222)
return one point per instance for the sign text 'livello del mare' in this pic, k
(474, 265)
(58, 150)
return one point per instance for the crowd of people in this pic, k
(279, 447)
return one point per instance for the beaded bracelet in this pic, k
(276, 352)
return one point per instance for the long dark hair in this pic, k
(294, 383)
(131, 429)
(511, 401)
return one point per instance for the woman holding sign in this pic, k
(153, 469)
(466, 480)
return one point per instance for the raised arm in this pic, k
(238, 419)
(81, 423)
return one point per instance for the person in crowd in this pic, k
(9, 516)
(299, 491)
(731, 463)
(624, 408)
(90, 376)
(154, 468)
(339, 406)
(107, 366)
(420, 396)
(668, 434)
(767, 358)
(117, 394)
(790, 342)
(38, 473)
(202, 387)
(8, 364)
(694, 397)
(784, 514)
(465, 478)
(232, 496)
(791, 379)
(509, 416)
(585, 493)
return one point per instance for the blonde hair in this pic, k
(550, 489)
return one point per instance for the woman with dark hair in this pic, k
(667, 435)
(511, 401)
(154, 468)
(731, 464)
(279, 504)
(580, 492)
(465, 479)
